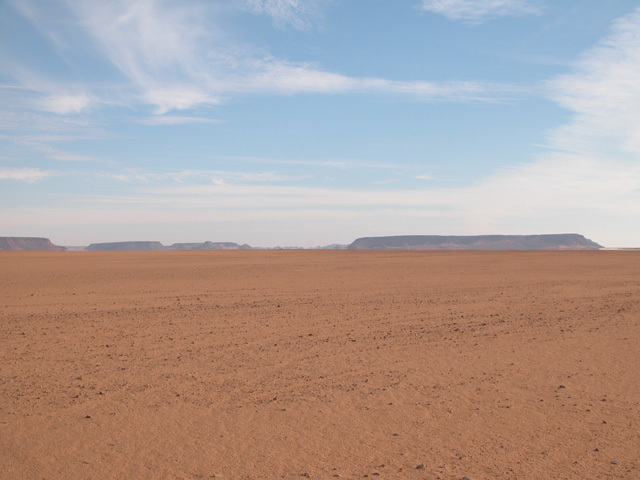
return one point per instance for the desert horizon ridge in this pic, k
(320, 364)
(556, 241)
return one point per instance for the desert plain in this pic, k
(320, 364)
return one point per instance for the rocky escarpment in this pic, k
(28, 243)
(565, 241)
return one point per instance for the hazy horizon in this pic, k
(313, 122)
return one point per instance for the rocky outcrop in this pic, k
(565, 241)
(28, 243)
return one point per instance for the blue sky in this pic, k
(309, 122)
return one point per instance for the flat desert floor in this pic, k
(320, 364)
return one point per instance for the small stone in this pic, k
(87, 416)
(561, 386)
(614, 462)
(465, 478)
(305, 474)
(420, 467)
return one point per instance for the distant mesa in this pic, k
(209, 246)
(125, 246)
(157, 246)
(564, 241)
(333, 246)
(28, 243)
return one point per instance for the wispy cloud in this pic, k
(336, 163)
(29, 175)
(537, 190)
(477, 11)
(33, 132)
(297, 13)
(272, 76)
(65, 103)
(32, 123)
(174, 120)
(603, 92)
(175, 56)
(52, 153)
(160, 49)
(200, 177)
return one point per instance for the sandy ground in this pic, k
(320, 364)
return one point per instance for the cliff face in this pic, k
(565, 241)
(28, 243)
(125, 246)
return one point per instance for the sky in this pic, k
(312, 122)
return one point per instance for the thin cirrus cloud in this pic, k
(477, 11)
(29, 175)
(174, 56)
(279, 77)
(42, 133)
(208, 177)
(603, 92)
(174, 120)
(297, 13)
(64, 104)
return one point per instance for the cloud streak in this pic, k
(159, 120)
(603, 92)
(29, 175)
(64, 104)
(297, 13)
(478, 11)
(208, 177)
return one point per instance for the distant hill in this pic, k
(333, 246)
(209, 246)
(125, 246)
(28, 243)
(156, 246)
(564, 241)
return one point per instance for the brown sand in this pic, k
(266, 365)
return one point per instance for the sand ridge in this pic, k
(316, 364)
